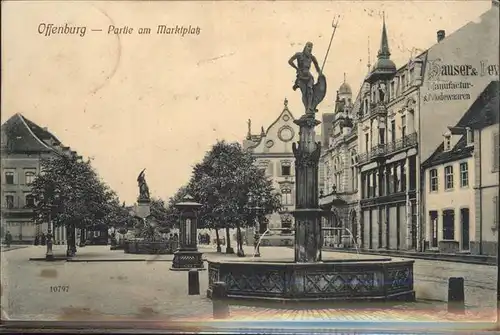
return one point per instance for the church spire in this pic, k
(384, 52)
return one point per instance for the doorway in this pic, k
(464, 218)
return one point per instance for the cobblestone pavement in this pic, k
(148, 290)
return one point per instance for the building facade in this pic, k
(459, 69)
(272, 149)
(461, 200)
(387, 142)
(339, 194)
(23, 145)
(399, 118)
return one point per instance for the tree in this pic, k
(69, 193)
(222, 183)
(172, 213)
(160, 213)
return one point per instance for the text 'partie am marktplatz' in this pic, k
(50, 29)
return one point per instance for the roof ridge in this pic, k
(21, 117)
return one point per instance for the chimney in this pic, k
(440, 35)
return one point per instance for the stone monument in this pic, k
(309, 277)
(308, 232)
(143, 208)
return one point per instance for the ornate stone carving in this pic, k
(306, 159)
(286, 133)
(312, 94)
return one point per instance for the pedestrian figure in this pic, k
(8, 239)
(43, 239)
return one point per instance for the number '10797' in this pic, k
(56, 289)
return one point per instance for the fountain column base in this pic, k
(308, 235)
(185, 260)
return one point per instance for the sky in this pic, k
(160, 102)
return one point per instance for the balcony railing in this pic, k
(406, 142)
(382, 150)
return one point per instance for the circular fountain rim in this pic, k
(367, 261)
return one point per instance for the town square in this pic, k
(350, 176)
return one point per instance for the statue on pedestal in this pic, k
(143, 187)
(312, 94)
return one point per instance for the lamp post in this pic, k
(255, 209)
(49, 255)
(187, 257)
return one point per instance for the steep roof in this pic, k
(483, 112)
(22, 135)
(459, 151)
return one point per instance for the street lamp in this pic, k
(49, 255)
(255, 209)
(187, 256)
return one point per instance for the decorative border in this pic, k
(291, 131)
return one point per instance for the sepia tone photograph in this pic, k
(250, 166)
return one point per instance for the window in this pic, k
(393, 90)
(403, 176)
(403, 126)
(448, 224)
(9, 201)
(393, 131)
(30, 177)
(464, 175)
(433, 218)
(390, 180)
(496, 152)
(448, 177)
(447, 143)
(285, 170)
(354, 179)
(367, 142)
(412, 75)
(9, 177)
(286, 197)
(433, 180)
(397, 185)
(30, 201)
(381, 134)
(383, 182)
(403, 82)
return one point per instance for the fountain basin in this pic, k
(360, 279)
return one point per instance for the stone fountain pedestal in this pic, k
(380, 279)
(307, 277)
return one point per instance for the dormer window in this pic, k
(470, 136)
(447, 141)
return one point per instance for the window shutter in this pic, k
(496, 151)
(496, 212)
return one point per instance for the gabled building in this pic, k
(23, 145)
(461, 190)
(272, 149)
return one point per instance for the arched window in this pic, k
(286, 197)
(29, 177)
